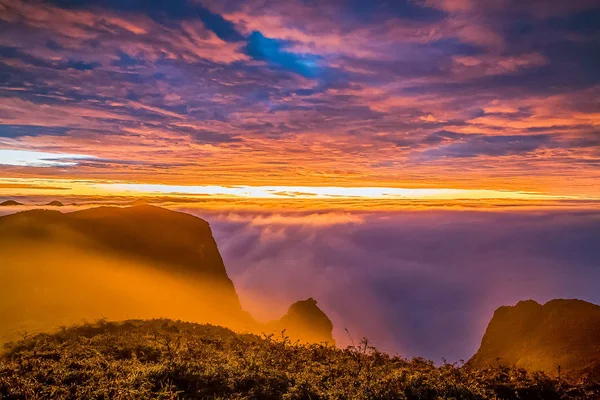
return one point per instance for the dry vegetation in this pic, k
(167, 359)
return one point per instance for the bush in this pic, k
(165, 359)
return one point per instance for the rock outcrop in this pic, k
(306, 322)
(560, 333)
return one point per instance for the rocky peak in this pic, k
(563, 333)
(305, 321)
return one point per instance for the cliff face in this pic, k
(118, 263)
(176, 242)
(563, 333)
(138, 262)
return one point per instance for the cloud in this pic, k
(14, 131)
(81, 65)
(416, 283)
(327, 93)
(39, 159)
(537, 8)
(205, 136)
(316, 219)
(163, 11)
(494, 65)
(485, 145)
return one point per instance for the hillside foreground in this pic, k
(172, 359)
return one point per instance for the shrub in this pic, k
(173, 359)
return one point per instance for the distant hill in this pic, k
(55, 203)
(563, 333)
(10, 203)
(138, 202)
(119, 263)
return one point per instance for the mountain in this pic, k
(10, 203)
(181, 241)
(55, 203)
(138, 202)
(118, 263)
(563, 333)
(137, 262)
(301, 315)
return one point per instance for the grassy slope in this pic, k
(167, 359)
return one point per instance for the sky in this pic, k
(453, 94)
(410, 164)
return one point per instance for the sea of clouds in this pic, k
(416, 283)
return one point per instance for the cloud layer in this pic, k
(416, 283)
(426, 93)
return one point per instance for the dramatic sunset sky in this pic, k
(411, 164)
(456, 94)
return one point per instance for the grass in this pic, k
(166, 359)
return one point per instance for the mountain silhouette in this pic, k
(301, 315)
(138, 202)
(141, 261)
(181, 241)
(55, 203)
(563, 333)
(10, 203)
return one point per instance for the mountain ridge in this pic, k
(163, 241)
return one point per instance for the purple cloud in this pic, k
(416, 283)
(210, 81)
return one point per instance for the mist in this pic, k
(416, 283)
(45, 286)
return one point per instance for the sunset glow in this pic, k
(203, 96)
(30, 188)
(324, 199)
